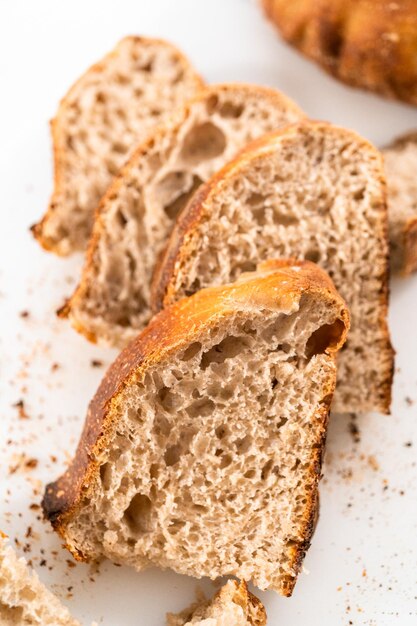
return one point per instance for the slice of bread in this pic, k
(233, 605)
(314, 191)
(111, 303)
(401, 172)
(24, 600)
(202, 448)
(103, 116)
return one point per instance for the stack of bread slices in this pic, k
(230, 245)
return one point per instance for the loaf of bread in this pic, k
(24, 600)
(314, 191)
(401, 172)
(104, 115)
(233, 605)
(111, 304)
(366, 43)
(202, 447)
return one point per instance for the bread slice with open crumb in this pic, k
(101, 119)
(314, 191)
(202, 447)
(111, 304)
(401, 171)
(233, 605)
(24, 600)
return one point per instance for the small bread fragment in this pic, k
(401, 171)
(370, 44)
(233, 605)
(202, 447)
(99, 122)
(24, 600)
(112, 302)
(315, 191)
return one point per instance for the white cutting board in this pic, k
(362, 566)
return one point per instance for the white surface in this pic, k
(364, 553)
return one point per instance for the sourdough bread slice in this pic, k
(111, 303)
(24, 600)
(314, 191)
(202, 447)
(109, 109)
(233, 605)
(401, 172)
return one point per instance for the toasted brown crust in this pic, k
(179, 245)
(365, 43)
(57, 133)
(250, 604)
(275, 285)
(161, 131)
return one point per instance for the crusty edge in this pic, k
(57, 134)
(410, 247)
(385, 86)
(180, 242)
(164, 335)
(247, 600)
(171, 125)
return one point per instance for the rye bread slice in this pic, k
(112, 303)
(99, 122)
(202, 448)
(314, 191)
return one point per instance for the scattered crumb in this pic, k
(353, 429)
(20, 406)
(24, 314)
(373, 462)
(409, 401)
(96, 363)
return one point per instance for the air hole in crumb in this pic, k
(243, 444)
(266, 470)
(191, 351)
(168, 399)
(147, 67)
(119, 147)
(226, 460)
(248, 266)
(195, 286)
(228, 348)
(230, 109)
(323, 338)
(312, 255)
(138, 514)
(221, 431)
(202, 408)
(172, 455)
(250, 474)
(173, 208)
(202, 143)
(121, 219)
(105, 475)
(283, 219)
(255, 199)
(211, 104)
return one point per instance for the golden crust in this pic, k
(169, 127)
(253, 607)
(180, 244)
(370, 44)
(276, 285)
(58, 134)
